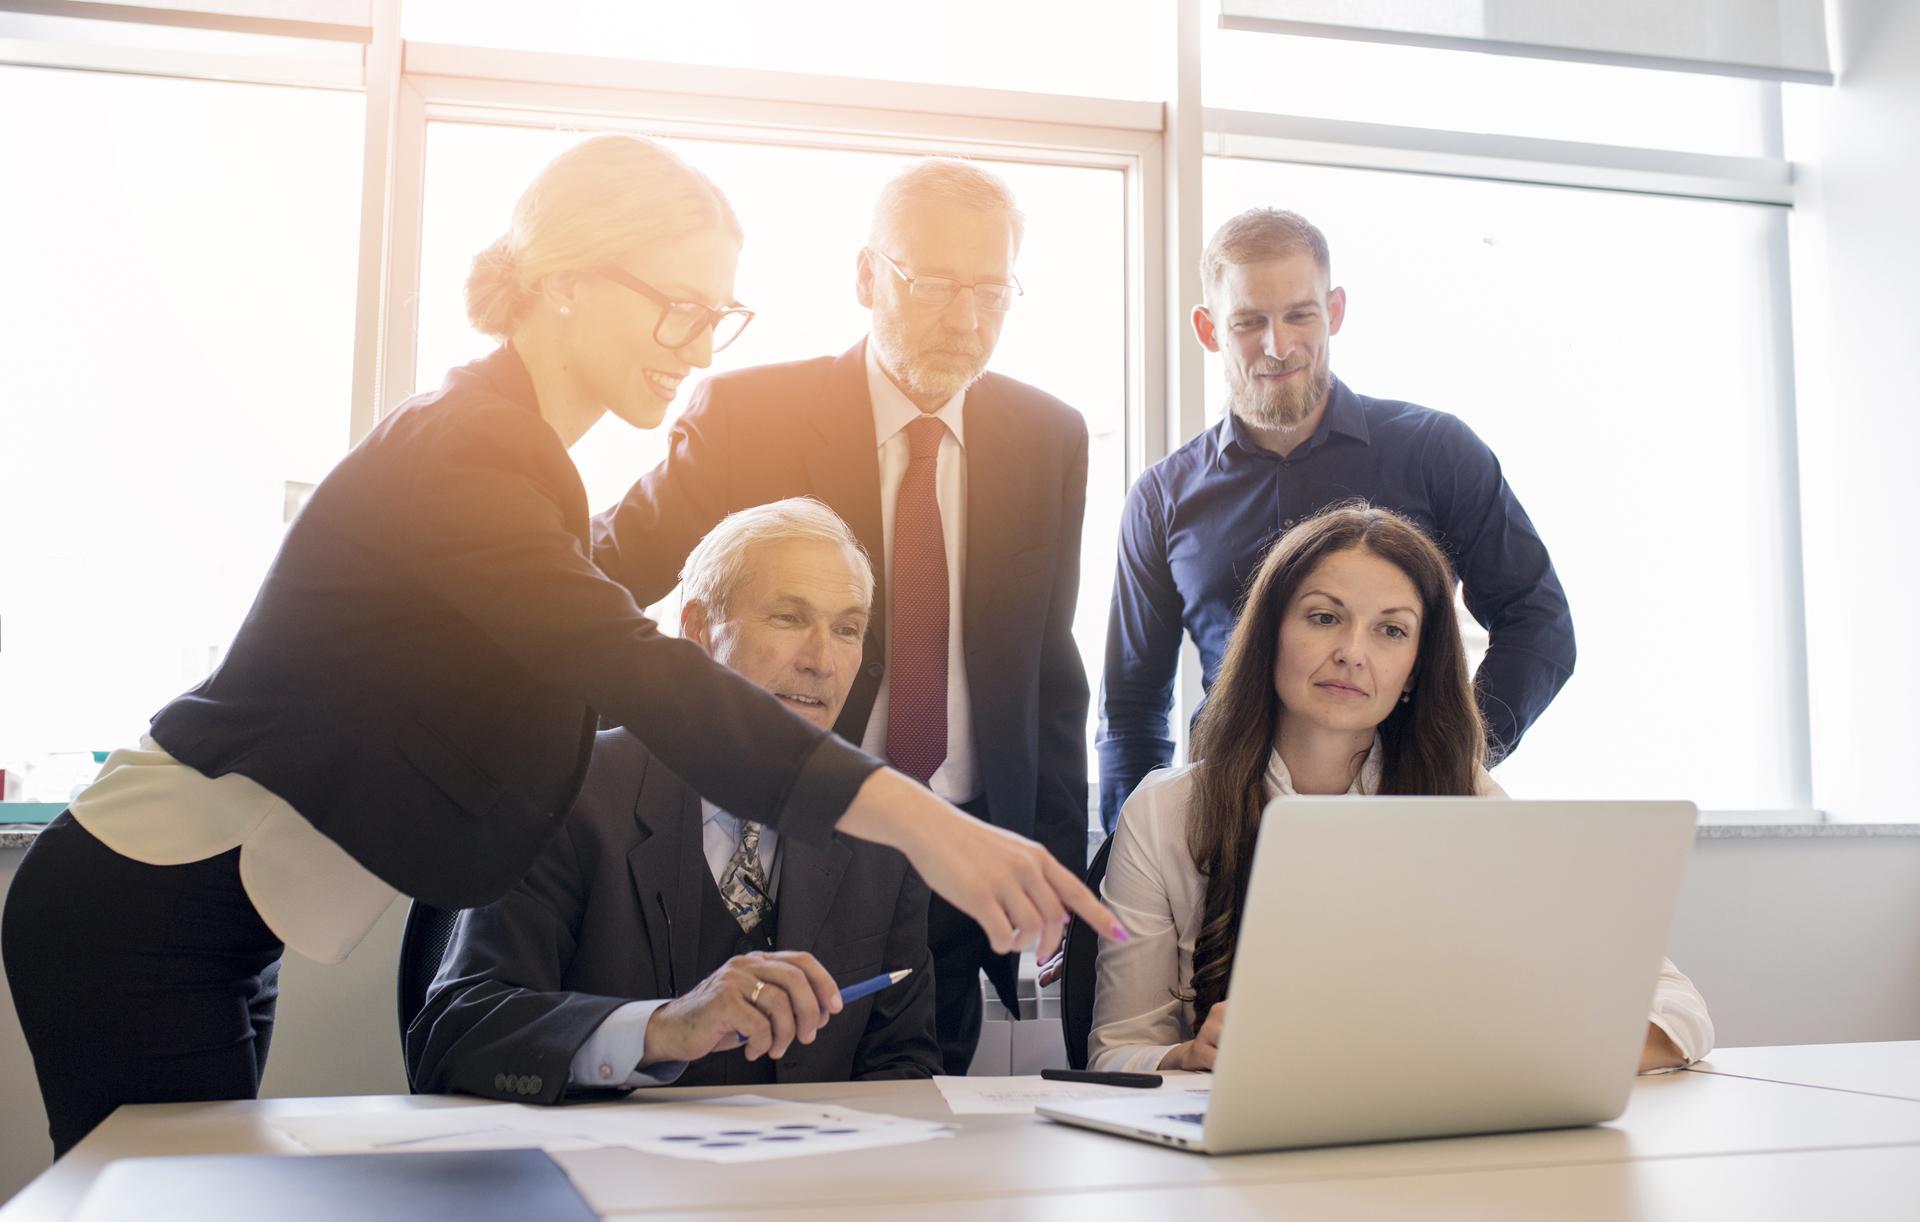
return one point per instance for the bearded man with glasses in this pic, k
(966, 487)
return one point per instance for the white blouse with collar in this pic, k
(1154, 888)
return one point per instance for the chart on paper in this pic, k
(735, 1129)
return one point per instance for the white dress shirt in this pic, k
(148, 806)
(1154, 888)
(612, 1054)
(958, 779)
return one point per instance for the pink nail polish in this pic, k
(1119, 933)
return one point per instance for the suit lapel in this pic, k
(668, 865)
(993, 497)
(843, 469)
(809, 879)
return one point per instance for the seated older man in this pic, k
(660, 940)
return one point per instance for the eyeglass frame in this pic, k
(627, 280)
(1012, 283)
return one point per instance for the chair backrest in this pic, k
(1076, 987)
(422, 945)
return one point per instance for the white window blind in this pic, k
(1782, 40)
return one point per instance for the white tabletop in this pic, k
(1874, 1185)
(1874, 1069)
(1687, 1137)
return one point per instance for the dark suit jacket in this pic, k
(528, 979)
(806, 429)
(419, 674)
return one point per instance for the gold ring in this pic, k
(753, 998)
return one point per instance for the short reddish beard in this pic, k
(1281, 407)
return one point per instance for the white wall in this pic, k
(1856, 271)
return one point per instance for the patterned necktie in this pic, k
(917, 674)
(743, 884)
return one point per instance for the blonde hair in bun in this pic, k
(595, 204)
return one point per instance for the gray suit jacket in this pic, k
(528, 979)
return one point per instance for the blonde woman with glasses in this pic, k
(410, 704)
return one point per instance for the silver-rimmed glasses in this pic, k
(941, 290)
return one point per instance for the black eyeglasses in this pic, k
(682, 321)
(941, 290)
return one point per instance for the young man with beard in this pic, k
(968, 490)
(1294, 441)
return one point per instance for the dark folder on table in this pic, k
(462, 1185)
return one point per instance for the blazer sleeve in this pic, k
(1060, 808)
(496, 1020)
(484, 535)
(899, 1040)
(644, 540)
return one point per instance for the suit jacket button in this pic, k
(499, 1081)
(875, 670)
(533, 1085)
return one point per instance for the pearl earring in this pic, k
(1406, 697)
(565, 311)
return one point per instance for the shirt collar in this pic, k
(893, 411)
(1280, 781)
(1343, 416)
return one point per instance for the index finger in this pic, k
(823, 984)
(1084, 903)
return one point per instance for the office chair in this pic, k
(1076, 987)
(423, 943)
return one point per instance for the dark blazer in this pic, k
(806, 429)
(527, 980)
(420, 673)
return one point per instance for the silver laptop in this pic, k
(1426, 967)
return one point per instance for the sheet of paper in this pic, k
(734, 1129)
(452, 1128)
(1017, 1095)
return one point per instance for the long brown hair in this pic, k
(1431, 744)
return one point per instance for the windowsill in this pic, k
(1800, 830)
(1729, 825)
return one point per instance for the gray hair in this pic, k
(949, 180)
(718, 564)
(1261, 235)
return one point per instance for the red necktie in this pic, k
(917, 678)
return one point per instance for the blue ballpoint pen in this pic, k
(866, 988)
(872, 985)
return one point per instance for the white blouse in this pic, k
(1154, 888)
(309, 891)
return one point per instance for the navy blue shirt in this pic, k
(1198, 522)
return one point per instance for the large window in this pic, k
(1618, 353)
(206, 304)
(1066, 335)
(178, 315)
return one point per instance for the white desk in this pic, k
(1689, 1145)
(1873, 1069)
